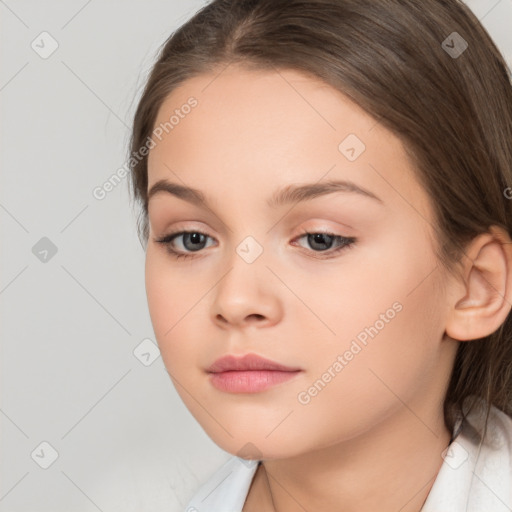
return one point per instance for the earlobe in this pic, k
(483, 300)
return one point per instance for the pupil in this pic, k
(195, 238)
(318, 238)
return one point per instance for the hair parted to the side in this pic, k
(453, 115)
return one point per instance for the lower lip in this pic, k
(249, 381)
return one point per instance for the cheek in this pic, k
(388, 324)
(170, 304)
(389, 356)
(161, 302)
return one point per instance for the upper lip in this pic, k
(247, 362)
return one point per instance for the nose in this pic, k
(247, 295)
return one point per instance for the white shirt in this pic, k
(472, 478)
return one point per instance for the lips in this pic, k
(248, 362)
(248, 374)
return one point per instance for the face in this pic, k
(338, 283)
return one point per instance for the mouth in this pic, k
(248, 374)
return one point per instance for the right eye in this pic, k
(191, 239)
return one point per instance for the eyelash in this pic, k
(347, 243)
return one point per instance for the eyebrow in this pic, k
(286, 195)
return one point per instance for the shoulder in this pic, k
(476, 474)
(226, 490)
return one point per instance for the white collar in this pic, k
(476, 474)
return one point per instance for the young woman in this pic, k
(325, 189)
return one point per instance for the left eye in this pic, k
(194, 241)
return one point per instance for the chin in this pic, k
(256, 446)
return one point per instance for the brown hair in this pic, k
(452, 112)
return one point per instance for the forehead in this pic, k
(279, 105)
(260, 127)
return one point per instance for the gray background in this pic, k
(72, 374)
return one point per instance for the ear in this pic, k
(483, 300)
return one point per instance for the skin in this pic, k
(372, 439)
